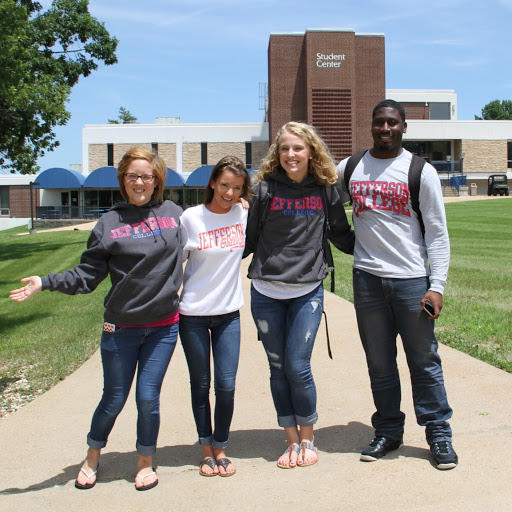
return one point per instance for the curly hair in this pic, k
(321, 166)
(159, 169)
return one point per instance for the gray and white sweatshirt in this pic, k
(139, 248)
(389, 242)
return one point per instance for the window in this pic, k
(204, 153)
(248, 155)
(509, 154)
(105, 198)
(110, 155)
(100, 200)
(4, 197)
(4, 201)
(193, 196)
(439, 111)
(174, 194)
(154, 147)
(432, 151)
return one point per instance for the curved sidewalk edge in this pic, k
(43, 444)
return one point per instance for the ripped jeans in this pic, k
(287, 329)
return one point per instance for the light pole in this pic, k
(32, 230)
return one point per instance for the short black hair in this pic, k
(391, 104)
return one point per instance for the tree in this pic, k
(42, 56)
(498, 110)
(124, 117)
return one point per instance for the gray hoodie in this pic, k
(289, 247)
(139, 247)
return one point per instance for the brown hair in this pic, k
(237, 167)
(321, 166)
(159, 169)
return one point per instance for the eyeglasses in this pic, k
(146, 178)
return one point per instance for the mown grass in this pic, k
(52, 334)
(476, 317)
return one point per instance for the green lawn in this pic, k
(49, 336)
(477, 313)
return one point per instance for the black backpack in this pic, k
(417, 164)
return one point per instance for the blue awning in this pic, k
(104, 177)
(174, 179)
(200, 177)
(57, 177)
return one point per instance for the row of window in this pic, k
(204, 153)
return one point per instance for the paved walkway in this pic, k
(43, 444)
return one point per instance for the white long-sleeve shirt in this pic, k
(213, 243)
(389, 242)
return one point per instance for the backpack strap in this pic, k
(417, 164)
(327, 198)
(264, 199)
(349, 169)
(329, 260)
(265, 195)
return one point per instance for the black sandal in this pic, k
(225, 462)
(211, 463)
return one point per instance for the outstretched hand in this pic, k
(34, 286)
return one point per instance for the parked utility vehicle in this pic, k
(497, 184)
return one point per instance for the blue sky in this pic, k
(203, 60)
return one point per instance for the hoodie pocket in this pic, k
(290, 265)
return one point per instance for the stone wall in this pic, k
(168, 153)
(97, 156)
(191, 156)
(218, 150)
(191, 153)
(489, 156)
(121, 149)
(259, 151)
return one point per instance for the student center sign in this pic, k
(329, 61)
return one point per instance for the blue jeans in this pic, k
(386, 308)
(149, 348)
(287, 329)
(222, 333)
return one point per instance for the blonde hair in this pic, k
(321, 166)
(159, 169)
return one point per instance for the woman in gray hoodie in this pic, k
(285, 231)
(137, 244)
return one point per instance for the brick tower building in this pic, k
(329, 78)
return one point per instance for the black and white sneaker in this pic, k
(379, 446)
(444, 454)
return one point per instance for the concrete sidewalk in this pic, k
(43, 444)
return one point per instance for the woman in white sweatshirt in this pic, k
(213, 239)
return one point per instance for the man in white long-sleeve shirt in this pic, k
(397, 271)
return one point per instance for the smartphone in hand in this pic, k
(429, 309)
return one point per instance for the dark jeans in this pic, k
(222, 334)
(150, 349)
(386, 308)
